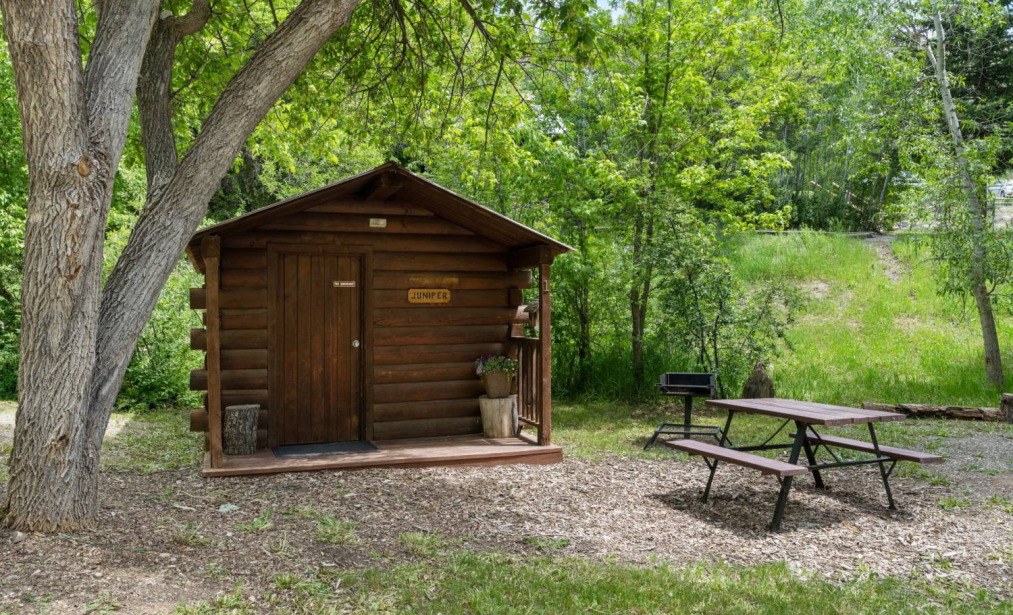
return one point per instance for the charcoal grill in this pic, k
(687, 385)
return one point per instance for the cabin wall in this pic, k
(424, 382)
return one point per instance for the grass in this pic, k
(865, 336)
(953, 503)
(259, 524)
(143, 442)
(463, 582)
(421, 544)
(334, 532)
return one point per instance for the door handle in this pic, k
(355, 343)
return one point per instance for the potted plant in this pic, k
(497, 373)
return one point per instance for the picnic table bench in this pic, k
(806, 416)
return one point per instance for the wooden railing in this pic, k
(531, 410)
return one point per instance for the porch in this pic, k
(469, 450)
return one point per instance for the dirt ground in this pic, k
(173, 536)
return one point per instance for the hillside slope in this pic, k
(874, 327)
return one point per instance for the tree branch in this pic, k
(192, 22)
(154, 91)
(172, 213)
(111, 77)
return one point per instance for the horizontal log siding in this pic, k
(424, 379)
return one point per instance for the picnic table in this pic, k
(806, 417)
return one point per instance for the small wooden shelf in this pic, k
(473, 450)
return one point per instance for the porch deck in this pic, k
(472, 450)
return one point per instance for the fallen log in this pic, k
(938, 411)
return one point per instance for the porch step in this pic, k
(408, 453)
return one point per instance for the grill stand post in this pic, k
(686, 429)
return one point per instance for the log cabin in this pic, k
(354, 314)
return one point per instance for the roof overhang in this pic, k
(529, 247)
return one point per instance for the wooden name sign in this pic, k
(428, 295)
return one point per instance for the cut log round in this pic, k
(1006, 407)
(499, 416)
(240, 430)
(938, 411)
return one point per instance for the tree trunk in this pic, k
(640, 290)
(77, 338)
(979, 214)
(72, 160)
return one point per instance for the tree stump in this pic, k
(1006, 407)
(499, 416)
(239, 433)
(758, 384)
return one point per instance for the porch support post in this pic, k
(545, 353)
(211, 250)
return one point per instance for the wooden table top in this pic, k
(805, 411)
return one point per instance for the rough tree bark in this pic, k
(77, 337)
(978, 211)
(74, 123)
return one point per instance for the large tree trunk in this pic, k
(77, 339)
(73, 147)
(978, 211)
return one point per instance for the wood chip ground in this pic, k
(163, 537)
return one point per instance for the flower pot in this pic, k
(497, 384)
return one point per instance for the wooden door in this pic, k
(316, 349)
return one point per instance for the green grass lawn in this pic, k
(865, 336)
(461, 582)
(143, 442)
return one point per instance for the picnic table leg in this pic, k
(782, 498)
(724, 432)
(714, 467)
(882, 467)
(811, 458)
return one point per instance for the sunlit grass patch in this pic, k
(152, 441)
(225, 603)
(462, 582)
(495, 583)
(259, 524)
(146, 442)
(421, 544)
(190, 535)
(547, 544)
(1003, 503)
(865, 336)
(953, 503)
(335, 532)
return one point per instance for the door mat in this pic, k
(324, 448)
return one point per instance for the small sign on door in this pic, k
(344, 283)
(429, 295)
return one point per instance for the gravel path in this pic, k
(162, 537)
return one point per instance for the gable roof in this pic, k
(444, 203)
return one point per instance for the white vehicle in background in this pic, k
(1001, 189)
